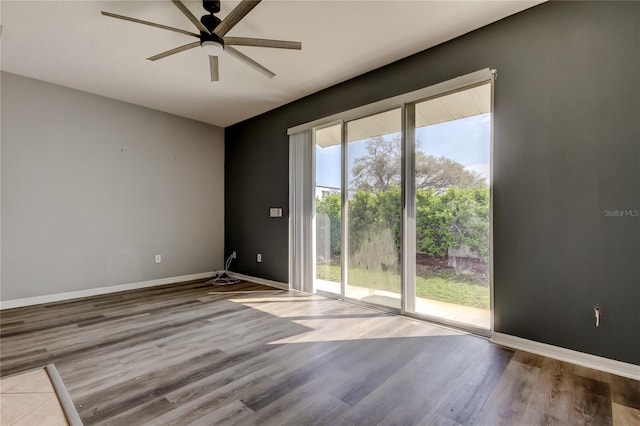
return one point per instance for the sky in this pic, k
(466, 141)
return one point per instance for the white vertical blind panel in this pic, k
(300, 210)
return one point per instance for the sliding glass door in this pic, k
(374, 212)
(452, 206)
(401, 211)
(328, 210)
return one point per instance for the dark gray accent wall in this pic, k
(567, 150)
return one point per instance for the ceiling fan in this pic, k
(212, 35)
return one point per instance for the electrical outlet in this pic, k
(158, 258)
(259, 257)
(234, 255)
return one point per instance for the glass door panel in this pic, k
(328, 210)
(452, 177)
(374, 210)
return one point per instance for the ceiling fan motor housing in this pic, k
(210, 22)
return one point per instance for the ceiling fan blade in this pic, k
(262, 42)
(235, 16)
(153, 24)
(213, 66)
(190, 16)
(247, 60)
(174, 51)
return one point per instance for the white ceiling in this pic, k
(70, 43)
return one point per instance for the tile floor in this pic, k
(29, 399)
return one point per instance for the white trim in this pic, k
(619, 368)
(58, 297)
(396, 101)
(263, 281)
(492, 305)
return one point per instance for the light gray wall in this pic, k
(93, 189)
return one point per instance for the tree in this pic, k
(363, 217)
(470, 218)
(374, 229)
(331, 206)
(440, 173)
(433, 220)
(381, 168)
(452, 218)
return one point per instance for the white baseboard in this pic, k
(619, 368)
(38, 300)
(270, 283)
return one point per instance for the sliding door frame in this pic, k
(410, 214)
(406, 103)
(408, 223)
(344, 211)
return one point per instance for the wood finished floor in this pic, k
(178, 355)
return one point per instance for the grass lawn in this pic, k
(444, 285)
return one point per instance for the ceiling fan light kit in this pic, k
(212, 35)
(212, 48)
